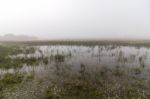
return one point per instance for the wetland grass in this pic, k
(69, 72)
(83, 85)
(8, 81)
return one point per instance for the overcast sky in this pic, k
(56, 19)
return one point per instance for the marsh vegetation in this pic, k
(74, 72)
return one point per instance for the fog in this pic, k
(72, 19)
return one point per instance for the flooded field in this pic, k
(74, 72)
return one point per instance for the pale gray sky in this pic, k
(76, 18)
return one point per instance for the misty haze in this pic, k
(74, 49)
(11, 37)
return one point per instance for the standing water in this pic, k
(78, 72)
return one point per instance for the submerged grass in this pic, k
(7, 62)
(116, 82)
(111, 84)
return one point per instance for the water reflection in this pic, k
(91, 57)
(104, 70)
